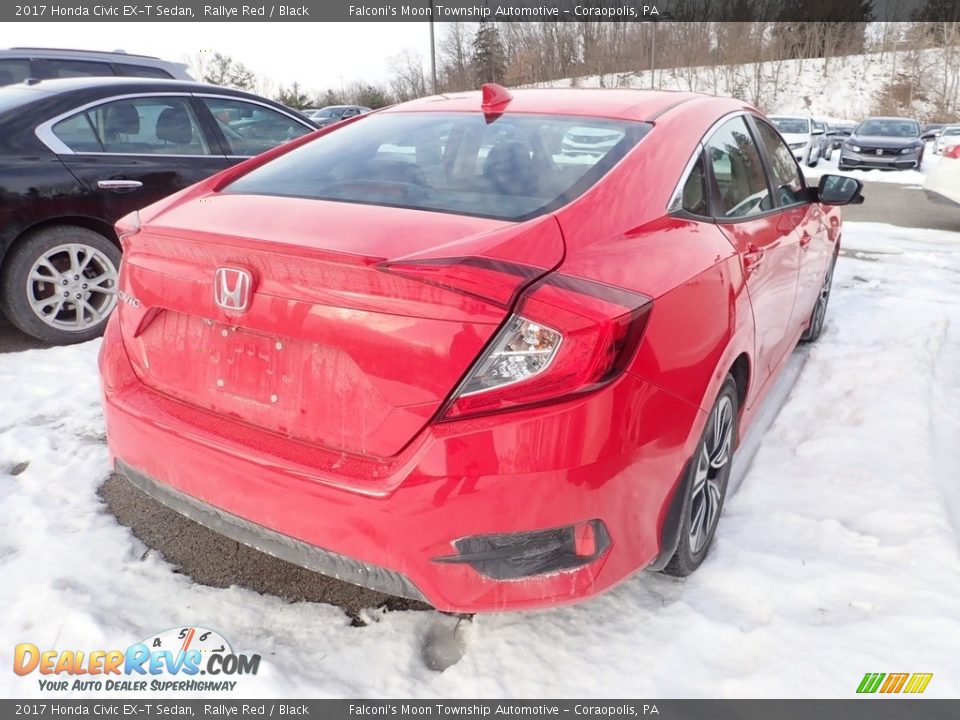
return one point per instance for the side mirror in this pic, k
(928, 136)
(839, 190)
(818, 131)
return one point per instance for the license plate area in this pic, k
(246, 365)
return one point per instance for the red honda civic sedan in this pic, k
(491, 351)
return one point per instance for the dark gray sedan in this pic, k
(890, 143)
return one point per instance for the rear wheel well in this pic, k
(740, 370)
(98, 226)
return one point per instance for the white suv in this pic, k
(802, 133)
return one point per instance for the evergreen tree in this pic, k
(224, 70)
(294, 97)
(488, 56)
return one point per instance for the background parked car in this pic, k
(335, 113)
(802, 134)
(891, 143)
(833, 138)
(942, 183)
(949, 135)
(78, 155)
(18, 64)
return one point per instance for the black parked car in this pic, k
(837, 134)
(335, 113)
(891, 143)
(77, 155)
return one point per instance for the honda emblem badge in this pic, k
(232, 288)
(879, 151)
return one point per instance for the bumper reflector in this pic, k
(519, 555)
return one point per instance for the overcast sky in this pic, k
(317, 55)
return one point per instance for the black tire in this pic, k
(706, 487)
(82, 266)
(819, 313)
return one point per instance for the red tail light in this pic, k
(567, 337)
(952, 152)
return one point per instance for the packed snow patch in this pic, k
(837, 556)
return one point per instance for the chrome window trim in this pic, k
(677, 194)
(45, 134)
(676, 199)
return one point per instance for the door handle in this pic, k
(805, 239)
(119, 184)
(752, 258)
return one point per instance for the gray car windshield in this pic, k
(512, 168)
(889, 128)
(792, 126)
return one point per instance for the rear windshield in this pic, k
(889, 128)
(513, 168)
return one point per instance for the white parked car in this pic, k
(593, 142)
(802, 133)
(943, 180)
(950, 135)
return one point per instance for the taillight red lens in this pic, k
(952, 152)
(600, 328)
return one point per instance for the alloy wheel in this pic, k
(820, 311)
(72, 287)
(716, 452)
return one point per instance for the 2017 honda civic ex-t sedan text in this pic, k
(429, 352)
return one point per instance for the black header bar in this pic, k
(477, 10)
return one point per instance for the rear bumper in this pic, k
(614, 456)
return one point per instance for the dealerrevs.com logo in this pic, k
(189, 659)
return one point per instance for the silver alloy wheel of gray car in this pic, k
(707, 494)
(72, 287)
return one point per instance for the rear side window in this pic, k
(512, 168)
(76, 68)
(142, 71)
(251, 129)
(14, 71)
(786, 174)
(739, 182)
(139, 126)
(694, 196)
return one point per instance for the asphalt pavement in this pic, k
(903, 205)
(211, 559)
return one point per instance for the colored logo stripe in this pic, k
(894, 683)
(918, 682)
(870, 682)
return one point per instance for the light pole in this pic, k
(653, 54)
(433, 52)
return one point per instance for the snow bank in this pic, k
(841, 89)
(838, 555)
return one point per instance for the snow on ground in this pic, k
(914, 178)
(837, 556)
